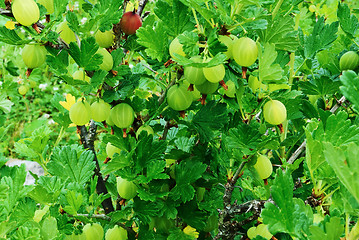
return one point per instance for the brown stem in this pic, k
(141, 7)
(88, 139)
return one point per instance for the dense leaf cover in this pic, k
(175, 157)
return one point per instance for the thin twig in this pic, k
(141, 7)
(163, 95)
(88, 139)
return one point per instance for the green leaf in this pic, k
(322, 37)
(336, 129)
(74, 201)
(155, 170)
(345, 162)
(60, 7)
(268, 71)
(320, 86)
(332, 230)
(349, 23)
(155, 39)
(72, 21)
(148, 151)
(350, 88)
(210, 117)
(24, 211)
(145, 210)
(184, 143)
(35, 146)
(191, 215)
(6, 227)
(107, 14)
(5, 105)
(49, 228)
(186, 172)
(10, 37)
(176, 17)
(288, 214)
(244, 138)
(189, 41)
(201, 8)
(177, 234)
(216, 60)
(280, 32)
(65, 163)
(86, 56)
(14, 183)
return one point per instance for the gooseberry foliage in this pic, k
(276, 151)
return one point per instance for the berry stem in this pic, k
(223, 84)
(244, 72)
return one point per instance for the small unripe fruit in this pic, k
(116, 233)
(93, 232)
(81, 75)
(104, 39)
(122, 115)
(34, 55)
(130, 22)
(126, 189)
(26, 12)
(100, 110)
(23, 89)
(207, 87)
(349, 61)
(194, 75)
(215, 74)
(263, 166)
(111, 150)
(80, 113)
(48, 4)
(145, 128)
(212, 223)
(176, 47)
(66, 33)
(245, 51)
(107, 61)
(274, 112)
(231, 91)
(178, 98)
(228, 41)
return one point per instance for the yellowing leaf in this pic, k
(190, 231)
(70, 100)
(10, 25)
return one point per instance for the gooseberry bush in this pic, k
(180, 119)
